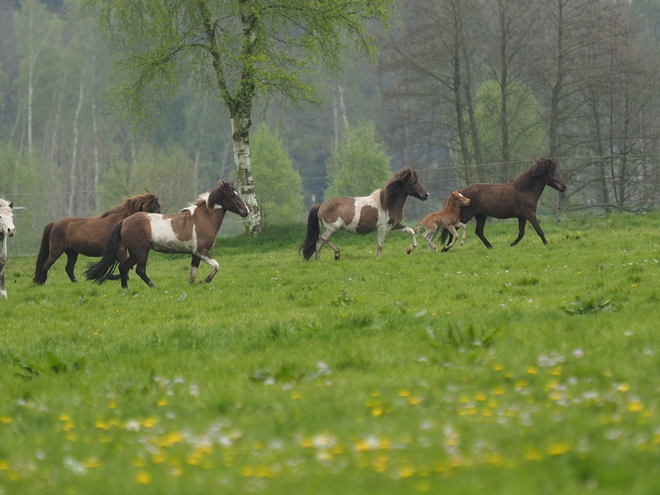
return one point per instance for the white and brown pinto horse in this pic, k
(193, 230)
(7, 229)
(379, 212)
(448, 218)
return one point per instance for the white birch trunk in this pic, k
(95, 133)
(241, 141)
(74, 153)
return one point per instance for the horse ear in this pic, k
(11, 204)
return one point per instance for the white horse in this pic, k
(7, 229)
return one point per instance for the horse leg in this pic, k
(141, 269)
(204, 256)
(121, 257)
(124, 268)
(42, 271)
(428, 237)
(454, 235)
(400, 228)
(325, 239)
(535, 223)
(3, 291)
(72, 257)
(479, 230)
(334, 247)
(194, 265)
(464, 227)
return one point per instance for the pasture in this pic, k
(517, 370)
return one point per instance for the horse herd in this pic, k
(124, 235)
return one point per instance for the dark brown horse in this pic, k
(86, 236)
(193, 230)
(381, 211)
(515, 199)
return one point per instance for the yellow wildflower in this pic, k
(143, 477)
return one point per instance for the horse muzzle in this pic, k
(11, 232)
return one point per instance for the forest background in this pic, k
(462, 90)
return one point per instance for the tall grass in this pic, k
(513, 370)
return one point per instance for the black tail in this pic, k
(40, 274)
(100, 272)
(308, 247)
(444, 236)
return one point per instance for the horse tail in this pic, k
(100, 271)
(308, 247)
(40, 274)
(416, 228)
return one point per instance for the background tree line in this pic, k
(463, 90)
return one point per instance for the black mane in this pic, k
(541, 167)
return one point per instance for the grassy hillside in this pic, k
(513, 370)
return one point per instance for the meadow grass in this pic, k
(519, 370)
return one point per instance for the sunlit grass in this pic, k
(455, 373)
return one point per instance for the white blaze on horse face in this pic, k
(164, 239)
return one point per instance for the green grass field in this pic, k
(522, 370)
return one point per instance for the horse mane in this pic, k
(540, 167)
(5, 204)
(141, 202)
(392, 190)
(224, 188)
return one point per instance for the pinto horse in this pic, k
(381, 211)
(449, 218)
(515, 199)
(193, 230)
(86, 236)
(7, 229)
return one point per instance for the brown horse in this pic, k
(86, 236)
(381, 211)
(449, 218)
(193, 230)
(515, 199)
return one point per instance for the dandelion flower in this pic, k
(143, 478)
(559, 448)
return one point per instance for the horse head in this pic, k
(226, 197)
(7, 218)
(552, 177)
(412, 185)
(460, 199)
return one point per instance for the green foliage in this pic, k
(278, 186)
(154, 46)
(589, 305)
(359, 164)
(525, 126)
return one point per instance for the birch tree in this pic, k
(238, 49)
